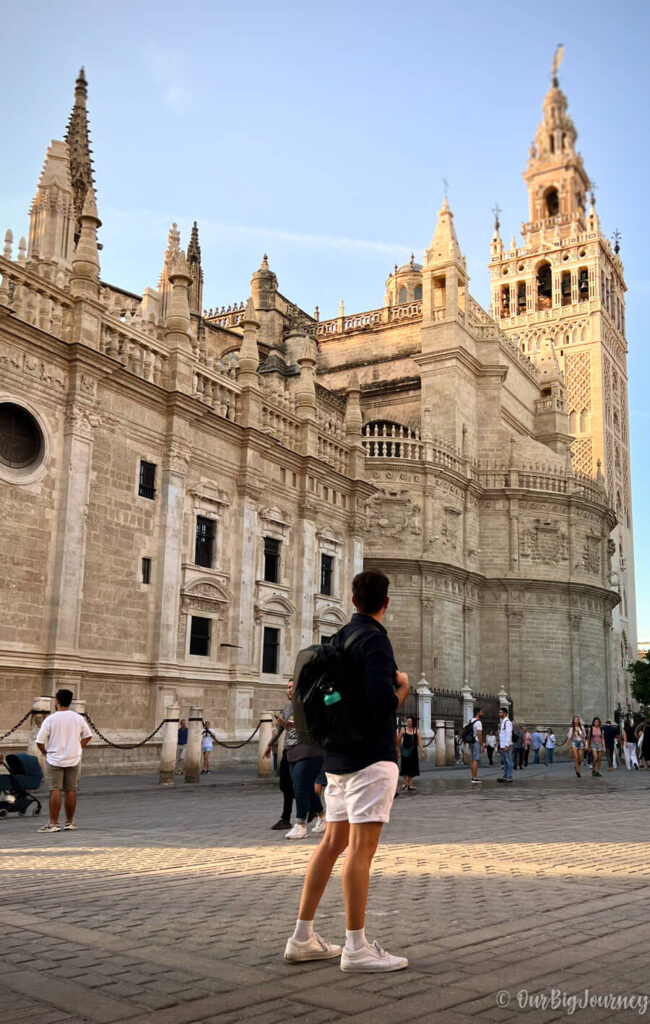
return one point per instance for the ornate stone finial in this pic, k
(617, 241)
(22, 246)
(599, 472)
(353, 382)
(555, 67)
(513, 242)
(265, 262)
(412, 260)
(9, 238)
(77, 136)
(316, 313)
(194, 249)
(341, 308)
(496, 210)
(513, 442)
(85, 260)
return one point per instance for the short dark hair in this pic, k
(64, 697)
(477, 711)
(369, 591)
(505, 711)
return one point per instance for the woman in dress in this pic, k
(576, 743)
(595, 741)
(409, 742)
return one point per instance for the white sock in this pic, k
(304, 930)
(355, 940)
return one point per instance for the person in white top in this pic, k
(478, 746)
(505, 745)
(61, 738)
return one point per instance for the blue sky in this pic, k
(321, 135)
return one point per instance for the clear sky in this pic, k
(321, 134)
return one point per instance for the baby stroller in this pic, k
(24, 775)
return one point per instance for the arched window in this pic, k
(573, 423)
(505, 300)
(584, 421)
(544, 286)
(401, 295)
(583, 284)
(565, 288)
(521, 297)
(552, 201)
(551, 143)
(417, 294)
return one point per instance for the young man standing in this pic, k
(361, 786)
(477, 746)
(290, 740)
(61, 739)
(505, 745)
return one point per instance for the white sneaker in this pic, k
(297, 832)
(371, 959)
(319, 826)
(314, 948)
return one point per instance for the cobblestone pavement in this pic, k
(173, 906)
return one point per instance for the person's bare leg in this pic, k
(320, 867)
(356, 872)
(70, 800)
(55, 805)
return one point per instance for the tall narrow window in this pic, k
(204, 546)
(270, 647)
(326, 573)
(544, 286)
(401, 296)
(521, 297)
(146, 570)
(271, 560)
(200, 636)
(147, 482)
(565, 288)
(583, 284)
(552, 201)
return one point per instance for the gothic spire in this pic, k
(78, 140)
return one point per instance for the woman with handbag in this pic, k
(409, 742)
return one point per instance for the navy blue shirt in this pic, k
(182, 737)
(372, 656)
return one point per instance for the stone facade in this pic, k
(187, 494)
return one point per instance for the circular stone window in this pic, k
(21, 439)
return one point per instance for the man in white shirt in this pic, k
(505, 745)
(61, 738)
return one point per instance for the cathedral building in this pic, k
(188, 492)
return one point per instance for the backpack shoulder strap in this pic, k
(355, 634)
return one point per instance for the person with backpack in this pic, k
(473, 735)
(359, 705)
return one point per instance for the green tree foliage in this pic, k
(641, 680)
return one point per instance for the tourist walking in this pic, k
(549, 747)
(361, 786)
(610, 732)
(477, 745)
(518, 746)
(644, 737)
(305, 765)
(505, 746)
(528, 741)
(537, 741)
(409, 744)
(576, 738)
(629, 745)
(61, 739)
(181, 746)
(290, 740)
(490, 745)
(595, 744)
(207, 739)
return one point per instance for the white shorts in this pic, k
(363, 796)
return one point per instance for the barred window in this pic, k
(326, 573)
(200, 636)
(271, 560)
(270, 649)
(204, 546)
(147, 483)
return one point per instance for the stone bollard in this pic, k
(265, 764)
(450, 743)
(41, 708)
(441, 743)
(424, 708)
(193, 755)
(169, 745)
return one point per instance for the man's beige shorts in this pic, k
(66, 779)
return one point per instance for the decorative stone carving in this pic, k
(81, 421)
(590, 554)
(394, 514)
(544, 543)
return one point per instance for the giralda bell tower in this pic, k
(565, 284)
